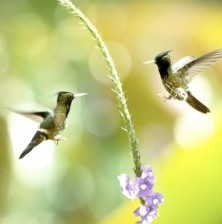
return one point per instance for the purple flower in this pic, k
(127, 186)
(149, 211)
(142, 187)
(146, 214)
(145, 183)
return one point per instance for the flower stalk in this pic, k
(142, 186)
(117, 85)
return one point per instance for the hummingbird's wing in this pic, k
(37, 116)
(181, 63)
(189, 67)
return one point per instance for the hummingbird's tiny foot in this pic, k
(162, 97)
(58, 138)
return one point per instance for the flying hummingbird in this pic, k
(53, 122)
(176, 77)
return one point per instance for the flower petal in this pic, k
(127, 186)
(142, 187)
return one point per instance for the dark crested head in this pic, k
(65, 97)
(163, 63)
(64, 100)
(160, 58)
(163, 56)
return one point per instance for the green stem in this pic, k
(116, 82)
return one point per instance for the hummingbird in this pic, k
(53, 122)
(176, 77)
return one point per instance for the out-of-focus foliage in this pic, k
(44, 49)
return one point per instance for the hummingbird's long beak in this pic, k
(79, 94)
(149, 62)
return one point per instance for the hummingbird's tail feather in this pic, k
(27, 150)
(36, 140)
(196, 104)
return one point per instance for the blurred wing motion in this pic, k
(189, 67)
(177, 66)
(37, 116)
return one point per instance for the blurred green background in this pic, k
(44, 49)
